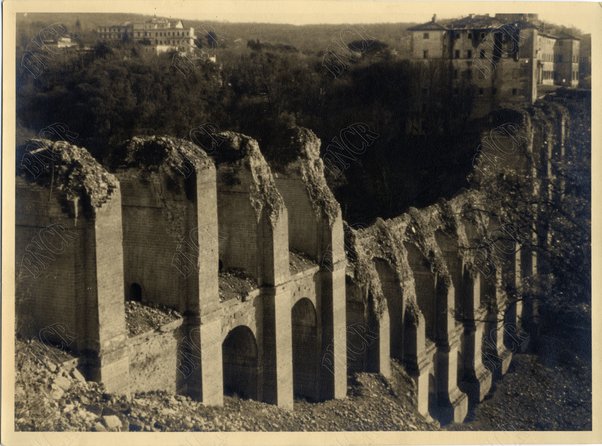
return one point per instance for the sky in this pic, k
(585, 15)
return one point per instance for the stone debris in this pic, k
(154, 152)
(373, 404)
(77, 375)
(550, 391)
(235, 284)
(112, 422)
(143, 317)
(68, 169)
(299, 261)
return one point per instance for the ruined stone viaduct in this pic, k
(165, 223)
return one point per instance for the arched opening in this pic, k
(393, 294)
(425, 288)
(449, 247)
(220, 266)
(305, 350)
(356, 327)
(433, 406)
(135, 292)
(239, 356)
(372, 339)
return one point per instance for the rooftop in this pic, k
(487, 22)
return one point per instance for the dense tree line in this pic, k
(114, 92)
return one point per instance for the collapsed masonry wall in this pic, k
(158, 177)
(253, 237)
(250, 211)
(420, 287)
(315, 230)
(69, 287)
(170, 245)
(154, 359)
(457, 269)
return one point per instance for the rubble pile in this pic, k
(299, 261)
(141, 318)
(549, 391)
(235, 284)
(68, 169)
(51, 396)
(153, 152)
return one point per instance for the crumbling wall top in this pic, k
(68, 169)
(155, 152)
(383, 240)
(239, 153)
(300, 158)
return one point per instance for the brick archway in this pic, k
(239, 356)
(305, 350)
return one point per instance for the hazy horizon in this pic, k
(335, 12)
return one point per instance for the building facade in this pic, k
(505, 59)
(160, 34)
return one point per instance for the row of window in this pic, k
(482, 54)
(169, 42)
(427, 36)
(149, 34)
(112, 29)
(171, 33)
(122, 31)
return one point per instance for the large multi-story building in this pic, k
(505, 59)
(157, 33)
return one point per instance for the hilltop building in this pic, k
(506, 59)
(160, 34)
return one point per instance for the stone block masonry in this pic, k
(278, 298)
(69, 284)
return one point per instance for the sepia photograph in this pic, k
(298, 217)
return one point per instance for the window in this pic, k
(514, 91)
(425, 36)
(469, 54)
(135, 292)
(494, 90)
(560, 58)
(481, 92)
(469, 74)
(482, 54)
(456, 74)
(470, 35)
(456, 54)
(425, 54)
